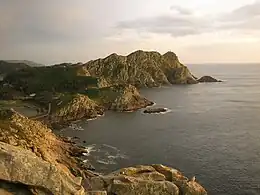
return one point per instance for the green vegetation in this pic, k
(55, 79)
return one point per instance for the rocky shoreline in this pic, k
(36, 153)
(33, 160)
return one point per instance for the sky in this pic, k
(198, 31)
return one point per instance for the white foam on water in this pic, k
(109, 146)
(106, 162)
(90, 148)
(91, 119)
(154, 104)
(76, 127)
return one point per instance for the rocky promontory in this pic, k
(141, 69)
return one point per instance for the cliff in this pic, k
(35, 161)
(119, 98)
(141, 69)
(32, 155)
(77, 107)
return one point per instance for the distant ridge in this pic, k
(27, 62)
(141, 69)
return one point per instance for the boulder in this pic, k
(208, 79)
(155, 110)
(147, 180)
(23, 166)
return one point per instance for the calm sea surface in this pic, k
(212, 131)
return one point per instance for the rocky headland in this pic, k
(33, 160)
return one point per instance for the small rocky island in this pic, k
(33, 160)
(155, 110)
(208, 79)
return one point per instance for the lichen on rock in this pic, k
(147, 180)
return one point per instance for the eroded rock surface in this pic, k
(23, 166)
(141, 69)
(147, 180)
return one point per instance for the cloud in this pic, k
(181, 10)
(243, 13)
(182, 22)
(41, 22)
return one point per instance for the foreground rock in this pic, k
(31, 136)
(155, 110)
(147, 180)
(208, 79)
(34, 160)
(23, 166)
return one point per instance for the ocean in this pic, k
(212, 131)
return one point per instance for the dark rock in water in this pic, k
(84, 142)
(155, 110)
(208, 79)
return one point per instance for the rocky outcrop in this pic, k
(208, 79)
(147, 180)
(23, 166)
(33, 159)
(123, 98)
(78, 107)
(155, 110)
(141, 69)
(33, 136)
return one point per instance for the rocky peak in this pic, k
(170, 56)
(141, 69)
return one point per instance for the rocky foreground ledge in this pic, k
(35, 161)
(147, 180)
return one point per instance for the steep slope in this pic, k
(119, 98)
(31, 139)
(141, 69)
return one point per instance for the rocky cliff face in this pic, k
(121, 98)
(37, 151)
(23, 166)
(141, 69)
(34, 160)
(78, 107)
